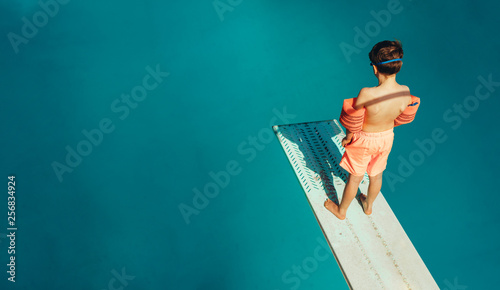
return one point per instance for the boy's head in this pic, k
(384, 51)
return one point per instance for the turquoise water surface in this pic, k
(116, 114)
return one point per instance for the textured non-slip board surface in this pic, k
(373, 251)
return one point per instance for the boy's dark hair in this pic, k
(387, 50)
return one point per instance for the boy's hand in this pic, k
(346, 140)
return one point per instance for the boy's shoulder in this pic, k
(367, 91)
(367, 94)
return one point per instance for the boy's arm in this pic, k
(408, 115)
(357, 105)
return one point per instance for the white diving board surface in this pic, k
(373, 252)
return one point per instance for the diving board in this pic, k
(373, 252)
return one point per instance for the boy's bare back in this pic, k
(383, 103)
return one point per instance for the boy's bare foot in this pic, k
(367, 209)
(334, 208)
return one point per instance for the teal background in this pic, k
(119, 208)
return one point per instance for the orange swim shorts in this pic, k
(368, 152)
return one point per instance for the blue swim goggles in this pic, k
(388, 61)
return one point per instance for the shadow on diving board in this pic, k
(373, 252)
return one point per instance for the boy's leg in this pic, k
(375, 169)
(350, 191)
(373, 190)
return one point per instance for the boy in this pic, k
(369, 120)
